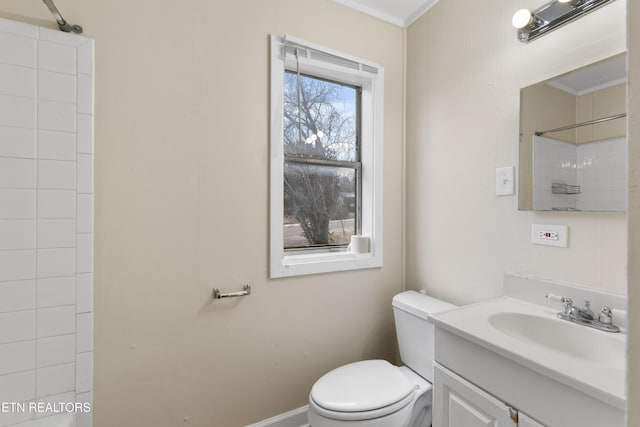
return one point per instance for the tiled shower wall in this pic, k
(46, 218)
(598, 167)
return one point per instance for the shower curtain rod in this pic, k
(62, 24)
(577, 125)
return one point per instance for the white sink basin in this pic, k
(573, 340)
(586, 359)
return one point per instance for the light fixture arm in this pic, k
(553, 15)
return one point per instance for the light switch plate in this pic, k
(505, 181)
(551, 235)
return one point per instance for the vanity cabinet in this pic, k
(458, 403)
(472, 383)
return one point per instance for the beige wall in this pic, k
(634, 215)
(465, 69)
(182, 207)
(601, 103)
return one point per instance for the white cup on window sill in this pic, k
(359, 244)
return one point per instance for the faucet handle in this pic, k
(558, 298)
(605, 316)
(567, 303)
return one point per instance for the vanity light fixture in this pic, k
(531, 25)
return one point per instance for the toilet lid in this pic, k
(361, 386)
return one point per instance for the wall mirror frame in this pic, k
(573, 140)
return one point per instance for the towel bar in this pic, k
(218, 295)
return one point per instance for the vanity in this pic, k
(511, 361)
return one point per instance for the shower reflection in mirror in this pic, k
(573, 142)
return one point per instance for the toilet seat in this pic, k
(362, 390)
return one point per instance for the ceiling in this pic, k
(598, 76)
(398, 12)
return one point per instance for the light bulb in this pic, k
(522, 18)
(314, 137)
(320, 134)
(308, 141)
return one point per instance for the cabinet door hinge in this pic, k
(513, 413)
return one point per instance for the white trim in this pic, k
(284, 264)
(395, 20)
(399, 21)
(419, 12)
(295, 418)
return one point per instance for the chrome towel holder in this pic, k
(218, 295)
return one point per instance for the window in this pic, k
(326, 159)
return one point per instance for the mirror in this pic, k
(573, 141)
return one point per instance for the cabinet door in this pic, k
(525, 421)
(458, 403)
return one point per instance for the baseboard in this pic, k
(295, 418)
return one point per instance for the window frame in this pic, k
(324, 63)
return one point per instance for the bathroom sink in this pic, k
(560, 336)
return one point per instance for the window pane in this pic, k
(319, 205)
(319, 118)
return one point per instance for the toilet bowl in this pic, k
(375, 393)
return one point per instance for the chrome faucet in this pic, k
(585, 316)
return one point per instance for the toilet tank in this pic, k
(415, 331)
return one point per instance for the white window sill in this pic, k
(302, 264)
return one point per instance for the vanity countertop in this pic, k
(580, 357)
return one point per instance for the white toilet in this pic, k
(375, 393)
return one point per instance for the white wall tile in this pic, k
(84, 372)
(17, 50)
(84, 293)
(18, 28)
(18, 142)
(85, 94)
(17, 265)
(85, 133)
(84, 332)
(85, 173)
(56, 57)
(17, 234)
(56, 321)
(84, 253)
(56, 174)
(55, 379)
(56, 145)
(84, 418)
(15, 417)
(16, 111)
(18, 387)
(16, 296)
(60, 37)
(56, 116)
(85, 213)
(56, 204)
(17, 326)
(56, 350)
(17, 173)
(68, 397)
(15, 204)
(85, 58)
(56, 262)
(17, 81)
(56, 86)
(17, 357)
(56, 233)
(56, 291)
